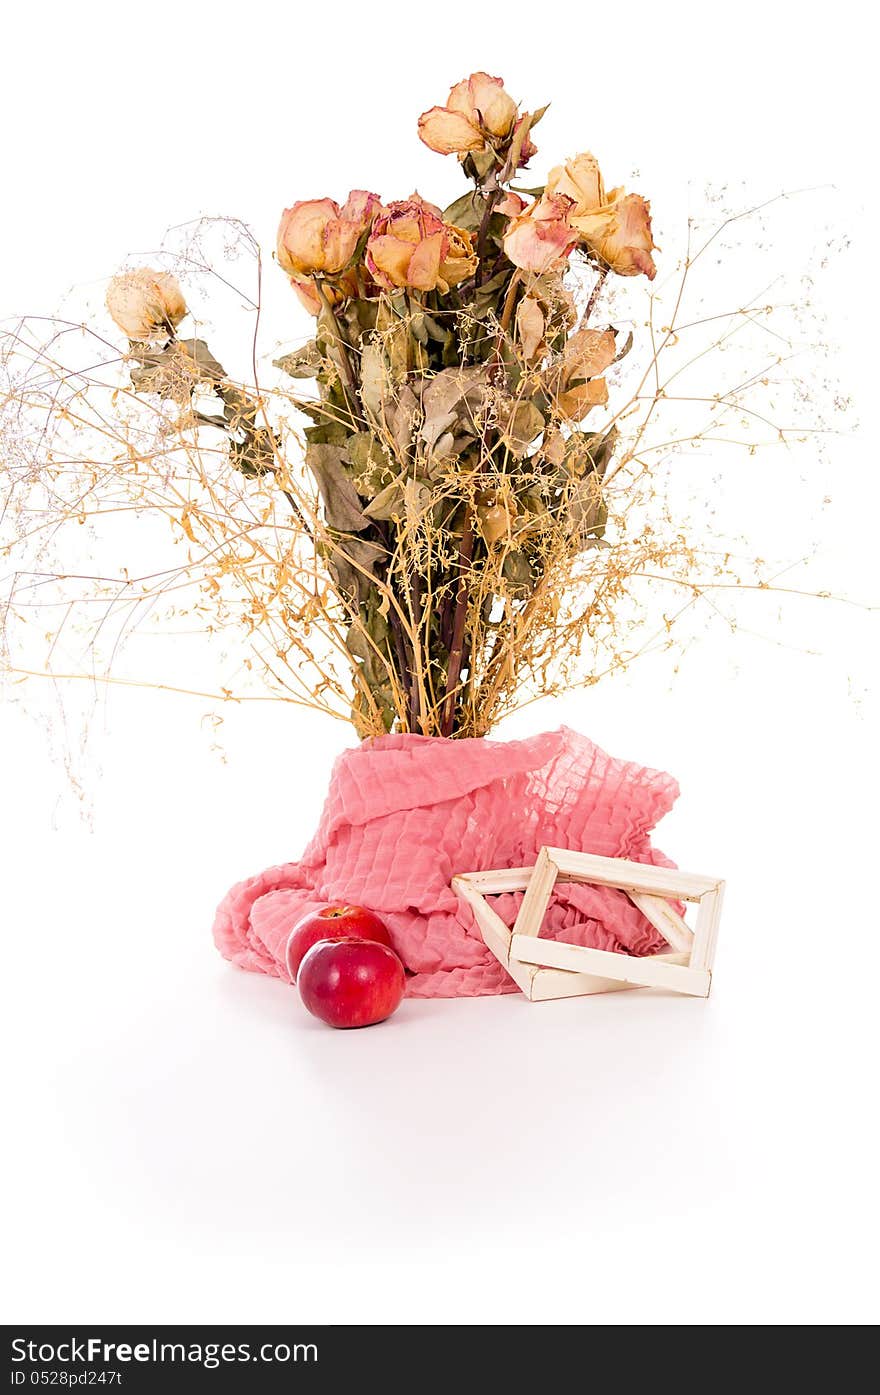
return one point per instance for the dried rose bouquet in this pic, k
(459, 479)
(458, 495)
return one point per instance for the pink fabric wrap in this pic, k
(405, 813)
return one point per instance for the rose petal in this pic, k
(448, 132)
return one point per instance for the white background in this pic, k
(184, 1142)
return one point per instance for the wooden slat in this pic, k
(534, 903)
(630, 876)
(496, 935)
(706, 933)
(665, 919)
(494, 883)
(558, 983)
(652, 971)
(549, 984)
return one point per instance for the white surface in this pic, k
(184, 1142)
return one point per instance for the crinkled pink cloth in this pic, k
(405, 813)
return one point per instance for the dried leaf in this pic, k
(403, 422)
(306, 362)
(387, 503)
(523, 425)
(374, 381)
(585, 453)
(466, 212)
(518, 573)
(370, 468)
(342, 505)
(588, 354)
(173, 372)
(574, 404)
(352, 562)
(450, 398)
(530, 327)
(586, 513)
(554, 449)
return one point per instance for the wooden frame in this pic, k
(546, 969)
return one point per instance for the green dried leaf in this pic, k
(306, 362)
(352, 563)
(586, 513)
(518, 573)
(204, 360)
(331, 433)
(374, 380)
(174, 371)
(523, 425)
(342, 506)
(466, 212)
(371, 470)
(590, 453)
(387, 503)
(255, 455)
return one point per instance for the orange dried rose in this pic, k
(477, 112)
(317, 236)
(411, 246)
(615, 227)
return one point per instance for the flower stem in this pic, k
(483, 234)
(453, 671)
(594, 296)
(510, 300)
(342, 347)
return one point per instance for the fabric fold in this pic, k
(405, 813)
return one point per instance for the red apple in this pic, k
(351, 983)
(333, 923)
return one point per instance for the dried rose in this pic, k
(580, 180)
(145, 304)
(542, 235)
(616, 227)
(620, 234)
(478, 112)
(410, 245)
(316, 236)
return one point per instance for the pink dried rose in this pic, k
(317, 236)
(478, 112)
(145, 303)
(542, 235)
(616, 227)
(410, 245)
